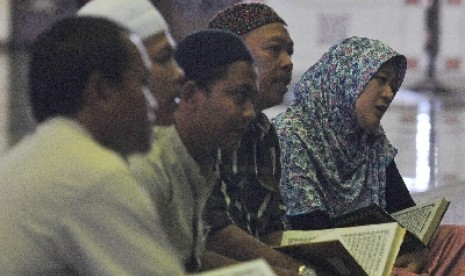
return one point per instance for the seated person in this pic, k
(69, 204)
(214, 110)
(142, 18)
(246, 201)
(245, 209)
(336, 156)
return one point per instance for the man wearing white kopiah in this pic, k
(142, 18)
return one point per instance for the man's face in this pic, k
(129, 125)
(167, 76)
(272, 48)
(227, 109)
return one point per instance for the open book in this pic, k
(361, 250)
(421, 221)
(258, 267)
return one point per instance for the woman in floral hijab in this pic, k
(335, 156)
(330, 162)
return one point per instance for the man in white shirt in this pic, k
(68, 202)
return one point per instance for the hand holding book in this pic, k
(413, 261)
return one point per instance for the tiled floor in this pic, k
(428, 128)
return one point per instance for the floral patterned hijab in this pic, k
(328, 161)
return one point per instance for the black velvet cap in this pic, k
(202, 53)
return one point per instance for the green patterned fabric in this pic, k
(328, 161)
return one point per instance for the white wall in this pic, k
(5, 20)
(316, 24)
(4, 100)
(5, 23)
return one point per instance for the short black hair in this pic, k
(206, 55)
(65, 56)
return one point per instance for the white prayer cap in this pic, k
(139, 16)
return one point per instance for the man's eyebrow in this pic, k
(249, 88)
(281, 38)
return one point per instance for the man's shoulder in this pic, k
(56, 154)
(164, 133)
(167, 147)
(165, 139)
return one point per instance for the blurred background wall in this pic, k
(428, 32)
(22, 20)
(406, 25)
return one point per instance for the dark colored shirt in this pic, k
(397, 195)
(247, 192)
(397, 198)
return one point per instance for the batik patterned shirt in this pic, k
(247, 193)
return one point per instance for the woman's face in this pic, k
(376, 97)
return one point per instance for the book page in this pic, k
(302, 236)
(374, 246)
(422, 219)
(257, 267)
(416, 219)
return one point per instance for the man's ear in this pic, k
(190, 92)
(98, 90)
